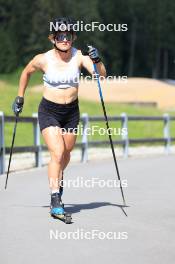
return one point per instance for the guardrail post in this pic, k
(2, 144)
(37, 142)
(124, 134)
(166, 132)
(84, 150)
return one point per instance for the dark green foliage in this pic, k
(146, 49)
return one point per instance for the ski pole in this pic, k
(107, 125)
(11, 150)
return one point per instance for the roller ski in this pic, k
(57, 208)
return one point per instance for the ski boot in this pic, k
(57, 209)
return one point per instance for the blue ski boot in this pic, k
(56, 208)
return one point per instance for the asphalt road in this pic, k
(100, 233)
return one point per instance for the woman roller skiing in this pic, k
(59, 108)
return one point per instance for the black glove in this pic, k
(93, 54)
(18, 105)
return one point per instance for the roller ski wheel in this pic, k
(66, 218)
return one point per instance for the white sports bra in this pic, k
(58, 78)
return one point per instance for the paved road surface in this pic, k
(29, 235)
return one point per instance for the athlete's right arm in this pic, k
(37, 63)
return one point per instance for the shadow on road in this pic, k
(76, 208)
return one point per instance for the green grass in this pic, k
(8, 90)
(13, 78)
(140, 129)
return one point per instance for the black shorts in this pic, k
(65, 116)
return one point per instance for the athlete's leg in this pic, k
(56, 146)
(69, 141)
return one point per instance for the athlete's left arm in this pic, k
(87, 63)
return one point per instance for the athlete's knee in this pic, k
(57, 155)
(67, 155)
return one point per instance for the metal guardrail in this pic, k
(37, 148)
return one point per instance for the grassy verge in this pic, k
(141, 129)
